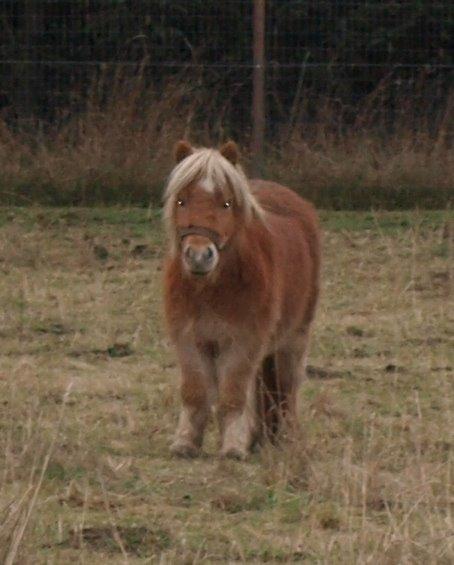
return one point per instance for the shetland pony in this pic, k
(241, 286)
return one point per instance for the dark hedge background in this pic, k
(52, 50)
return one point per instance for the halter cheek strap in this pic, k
(210, 234)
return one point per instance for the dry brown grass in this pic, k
(88, 390)
(370, 162)
(117, 148)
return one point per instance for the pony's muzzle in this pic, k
(200, 255)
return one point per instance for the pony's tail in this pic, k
(269, 400)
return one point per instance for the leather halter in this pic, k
(210, 234)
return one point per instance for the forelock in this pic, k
(213, 171)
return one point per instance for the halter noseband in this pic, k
(210, 234)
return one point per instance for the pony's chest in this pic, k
(208, 327)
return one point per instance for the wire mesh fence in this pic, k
(358, 96)
(52, 52)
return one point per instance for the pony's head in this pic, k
(207, 200)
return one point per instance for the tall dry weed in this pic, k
(114, 147)
(380, 154)
(117, 149)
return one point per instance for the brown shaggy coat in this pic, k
(241, 326)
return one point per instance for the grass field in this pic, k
(89, 402)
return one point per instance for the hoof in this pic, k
(186, 450)
(234, 453)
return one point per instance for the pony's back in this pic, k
(293, 222)
(281, 201)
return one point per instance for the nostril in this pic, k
(189, 253)
(209, 254)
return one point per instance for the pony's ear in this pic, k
(231, 152)
(182, 150)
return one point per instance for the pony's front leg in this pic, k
(237, 409)
(197, 395)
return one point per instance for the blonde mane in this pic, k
(210, 167)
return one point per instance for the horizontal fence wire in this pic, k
(54, 53)
(175, 64)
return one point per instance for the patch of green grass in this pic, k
(386, 222)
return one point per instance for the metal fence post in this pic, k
(258, 80)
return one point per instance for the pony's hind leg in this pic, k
(267, 399)
(282, 389)
(197, 394)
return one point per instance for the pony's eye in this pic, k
(180, 202)
(227, 204)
